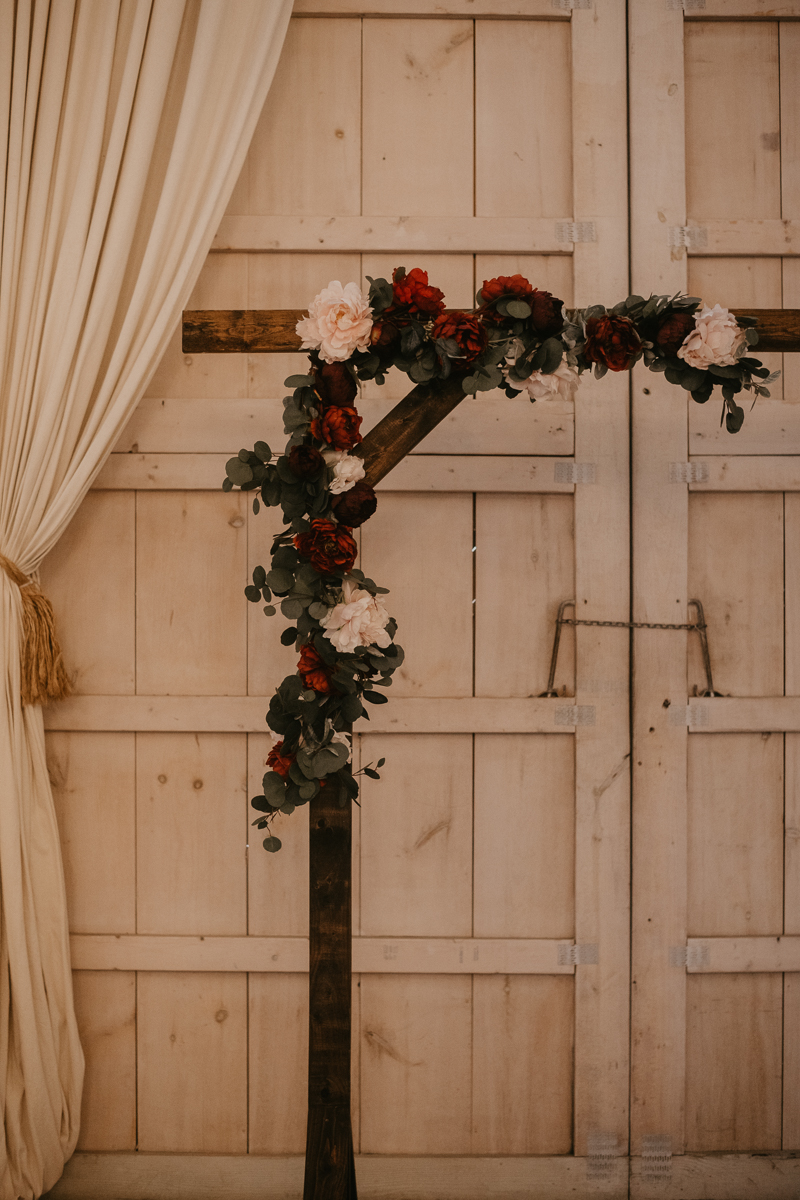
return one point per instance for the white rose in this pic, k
(562, 382)
(339, 321)
(359, 620)
(344, 740)
(716, 340)
(347, 471)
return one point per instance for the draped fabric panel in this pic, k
(123, 128)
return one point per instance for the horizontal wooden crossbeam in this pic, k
(272, 331)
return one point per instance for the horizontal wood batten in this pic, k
(741, 10)
(406, 956)
(535, 9)
(420, 473)
(746, 473)
(733, 238)
(768, 714)
(245, 714)
(412, 235)
(754, 954)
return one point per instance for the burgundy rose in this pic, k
(506, 285)
(305, 462)
(546, 318)
(279, 762)
(334, 384)
(672, 332)
(330, 547)
(338, 427)
(384, 333)
(413, 292)
(465, 330)
(355, 506)
(313, 670)
(611, 340)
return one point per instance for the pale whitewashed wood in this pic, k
(93, 776)
(105, 1007)
(535, 178)
(523, 1030)
(733, 954)
(416, 837)
(524, 858)
(381, 956)
(742, 9)
(95, 608)
(409, 543)
(791, 517)
(190, 570)
(419, 232)
(481, 426)
(791, 1061)
(268, 661)
(549, 272)
(727, 1176)
(278, 1063)
(790, 119)
(602, 545)
(791, 362)
(764, 715)
(658, 201)
(739, 283)
(222, 284)
(761, 473)
(191, 833)
(245, 714)
(773, 427)
(742, 593)
(417, 473)
(412, 69)
(741, 176)
(317, 106)
(737, 236)
(791, 915)
(415, 1064)
(277, 884)
(537, 535)
(436, 8)
(735, 835)
(192, 1062)
(733, 1062)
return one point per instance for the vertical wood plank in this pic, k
(660, 530)
(415, 1064)
(522, 1064)
(789, 39)
(191, 833)
(524, 857)
(413, 69)
(733, 1099)
(95, 605)
(528, 176)
(416, 836)
(537, 535)
(791, 1062)
(278, 1056)
(105, 1008)
(268, 662)
(191, 621)
(735, 863)
(791, 872)
(602, 853)
(790, 380)
(192, 1062)
(413, 539)
(93, 776)
(277, 883)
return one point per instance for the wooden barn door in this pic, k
(716, 900)
(492, 862)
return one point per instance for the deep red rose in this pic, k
(355, 506)
(278, 762)
(383, 334)
(305, 462)
(506, 285)
(329, 547)
(338, 427)
(466, 331)
(314, 671)
(611, 340)
(334, 384)
(414, 292)
(672, 332)
(546, 318)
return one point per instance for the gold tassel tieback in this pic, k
(43, 675)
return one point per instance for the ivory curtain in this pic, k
(123, 127)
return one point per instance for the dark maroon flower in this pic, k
(672, 332)
(465, 330)
(305, 462)
(338, 426)
(334, 384)
(328, 546)
(546, 317)
(355, 506)
(611, 340)
(313, 670)
(412, 291)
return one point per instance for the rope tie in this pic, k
(43, 675)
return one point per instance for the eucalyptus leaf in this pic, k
(238, 472)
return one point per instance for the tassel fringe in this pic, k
(43, 675)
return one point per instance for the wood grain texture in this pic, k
(791, 871)
(105, 1007)
(278, 1059)
(277, 884)
(730, 955)
(789, 38)
(733, 1099)
(791, 517)
(791, 1061)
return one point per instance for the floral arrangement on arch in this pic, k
(518, 338)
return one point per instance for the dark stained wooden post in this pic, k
(330, 1167)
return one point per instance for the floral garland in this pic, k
(518, 338)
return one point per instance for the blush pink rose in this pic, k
(561, 383)
(339, 321)
(359, 619)
(716, 340)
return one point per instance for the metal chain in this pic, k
(630, 624)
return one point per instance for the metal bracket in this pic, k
(689, 956)
(572, 472)
(576, 231)
(566, 5)
(699, 627)
(576, 714)
(688, 472)
(693, 237)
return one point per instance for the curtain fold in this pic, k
(123, 127)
